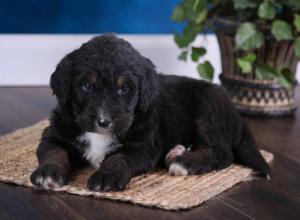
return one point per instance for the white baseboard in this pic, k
(30, 59)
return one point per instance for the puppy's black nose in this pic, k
(104, 122)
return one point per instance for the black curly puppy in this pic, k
(115, 112)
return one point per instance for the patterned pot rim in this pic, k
(281, 112)
(247, 108)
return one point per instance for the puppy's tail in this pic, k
(246, 153)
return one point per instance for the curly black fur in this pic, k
(147, 115)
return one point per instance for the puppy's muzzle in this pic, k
(104, 122)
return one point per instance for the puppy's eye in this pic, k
(123, 90)
(87, 87)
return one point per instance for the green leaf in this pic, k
(297, 47)
(181, 41)
(263, 71)
(247, 37)
(200, 5)
(197, 52)
(293, 4)
(206, 70)
(183, 55)
(245, 62)
(297, 22)
(243, 4)
(202, 16)
(196, 4)
(189, 34)
(281, 30)
(191, 9)
(178, 14)
(286, 78)
(266, 10)
(283, 76)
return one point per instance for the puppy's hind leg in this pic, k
(181, 161)
(176, 169)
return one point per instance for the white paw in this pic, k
(173, 153)
(177, 169)
(47, 182)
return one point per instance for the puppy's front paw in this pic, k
(107, 181)
(49, 176)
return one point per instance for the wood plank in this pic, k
(18, 202)
(262, 199)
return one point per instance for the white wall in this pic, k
(30, 59)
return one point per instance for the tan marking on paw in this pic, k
(173, 153)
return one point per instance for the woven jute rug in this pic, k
(158, 189)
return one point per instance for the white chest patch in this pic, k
(97, 146)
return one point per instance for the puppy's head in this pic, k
(105, 82)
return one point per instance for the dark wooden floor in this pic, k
(258, 199)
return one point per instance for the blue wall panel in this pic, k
(87, 16)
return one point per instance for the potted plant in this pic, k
(260, 45)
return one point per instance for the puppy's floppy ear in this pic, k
(149, 85)
(60, 81)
